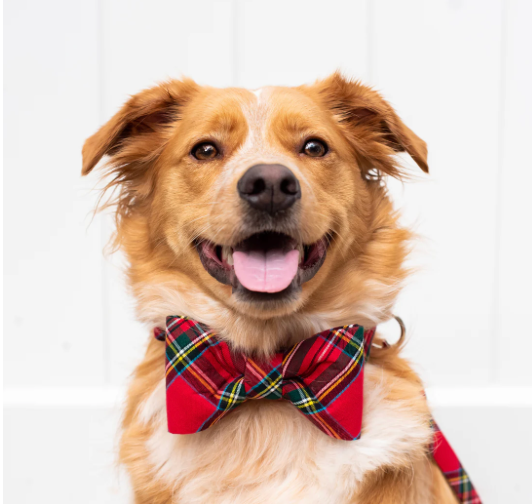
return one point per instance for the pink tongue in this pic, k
(270, 271)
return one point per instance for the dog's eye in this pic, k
(204, 151)
(315, 148)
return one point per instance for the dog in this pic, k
(264, 215)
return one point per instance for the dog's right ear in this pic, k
(145, 116)
(371, 125)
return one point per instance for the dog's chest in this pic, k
(267, 451)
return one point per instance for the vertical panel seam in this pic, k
(235, 11)
(496, 345)
(369, 40)
(106, 346)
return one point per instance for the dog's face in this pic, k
(266, 201)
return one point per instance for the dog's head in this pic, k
(258, 211)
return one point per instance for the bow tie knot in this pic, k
(263, 380)
(205, 379)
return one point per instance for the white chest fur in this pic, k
(268, 452)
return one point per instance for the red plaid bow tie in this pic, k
(322, 376)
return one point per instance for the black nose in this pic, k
(269, 187)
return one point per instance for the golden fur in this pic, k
(165, 200)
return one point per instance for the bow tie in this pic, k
(322, 376)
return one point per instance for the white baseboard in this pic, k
(72, 431)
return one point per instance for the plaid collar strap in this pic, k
(322, 376)
(452, 469)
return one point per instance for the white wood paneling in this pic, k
(439, 64)
(491, 443)
(126, 337)
(295, 42)
(63, 455)
(458, 72)
(52, 257)
(144, 43)
(515, 240)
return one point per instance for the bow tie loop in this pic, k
(322, 376)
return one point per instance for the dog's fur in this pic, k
(266, 451)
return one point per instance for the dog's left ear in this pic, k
(371, 125)
(137, 129)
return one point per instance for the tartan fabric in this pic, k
(452, 469)
(322, 376)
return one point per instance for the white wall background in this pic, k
(458, 72)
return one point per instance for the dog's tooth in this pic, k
(227, 255)
(224, 253)
(301, 252)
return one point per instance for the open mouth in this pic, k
(267, 263)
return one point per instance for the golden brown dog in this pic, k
(207, 179)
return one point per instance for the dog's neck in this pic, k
(157, 300)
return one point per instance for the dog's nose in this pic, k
(269, 187)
